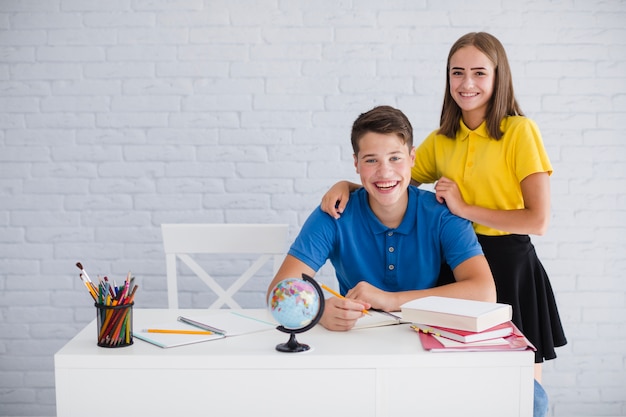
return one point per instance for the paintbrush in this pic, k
(82, 270)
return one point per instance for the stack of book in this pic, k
(453, 324)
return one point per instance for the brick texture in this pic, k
(119, 115)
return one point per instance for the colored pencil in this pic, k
(176, 331)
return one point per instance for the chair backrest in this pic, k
(181, 240)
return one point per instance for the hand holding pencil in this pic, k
(336, 294)
(341, 313)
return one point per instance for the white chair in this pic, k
(180, 240)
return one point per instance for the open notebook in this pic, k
(377, 318)
(221, 325)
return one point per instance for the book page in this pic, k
(167, 340)
(376, 319)
(233, 323)
(449, 343)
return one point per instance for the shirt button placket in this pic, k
(392, 258)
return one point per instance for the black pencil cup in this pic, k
(115, 325)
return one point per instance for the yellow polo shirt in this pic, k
(487, 171)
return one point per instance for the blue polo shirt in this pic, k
(408, 257)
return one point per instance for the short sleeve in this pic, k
(315, 240)
(530, 153)
(425, 168)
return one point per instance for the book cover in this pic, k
(515, 341)
(456, 313)
(464, 336)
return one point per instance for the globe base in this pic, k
(292, 346)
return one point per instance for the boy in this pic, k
(392, 238)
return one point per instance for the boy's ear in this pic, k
(412, 154)
(356, 165)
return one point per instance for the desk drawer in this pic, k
(224, 392)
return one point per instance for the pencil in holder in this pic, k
(115, 325)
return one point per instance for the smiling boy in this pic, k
(392, 238)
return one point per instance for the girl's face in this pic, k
(472, 77)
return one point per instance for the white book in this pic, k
(456, 313)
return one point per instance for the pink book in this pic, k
(515, 341)
(466, 336)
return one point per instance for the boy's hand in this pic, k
(376, 298)
(341, 314)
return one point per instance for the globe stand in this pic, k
(293, 346)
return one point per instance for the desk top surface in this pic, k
(387, 346)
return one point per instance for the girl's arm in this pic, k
(335, 199)
(532, 219)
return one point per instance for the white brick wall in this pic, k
(119, 115)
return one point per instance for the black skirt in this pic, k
(522, 282)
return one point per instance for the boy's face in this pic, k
(384, 163)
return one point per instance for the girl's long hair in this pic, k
(502, 102)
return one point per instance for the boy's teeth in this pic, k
(386, 184)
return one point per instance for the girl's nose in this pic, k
(468, 82)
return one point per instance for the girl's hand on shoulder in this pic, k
(446, 191)
(335, 200)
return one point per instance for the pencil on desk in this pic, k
(176, 331)
(336, 294)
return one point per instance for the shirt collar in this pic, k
(408, 221)
(465, 131)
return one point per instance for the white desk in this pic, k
(370, 372)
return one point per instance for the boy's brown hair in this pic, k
(385, 120)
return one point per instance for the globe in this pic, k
(297, 304)
(294, 303)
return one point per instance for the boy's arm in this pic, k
(473, 281)
(339, 313)
(291, 267)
